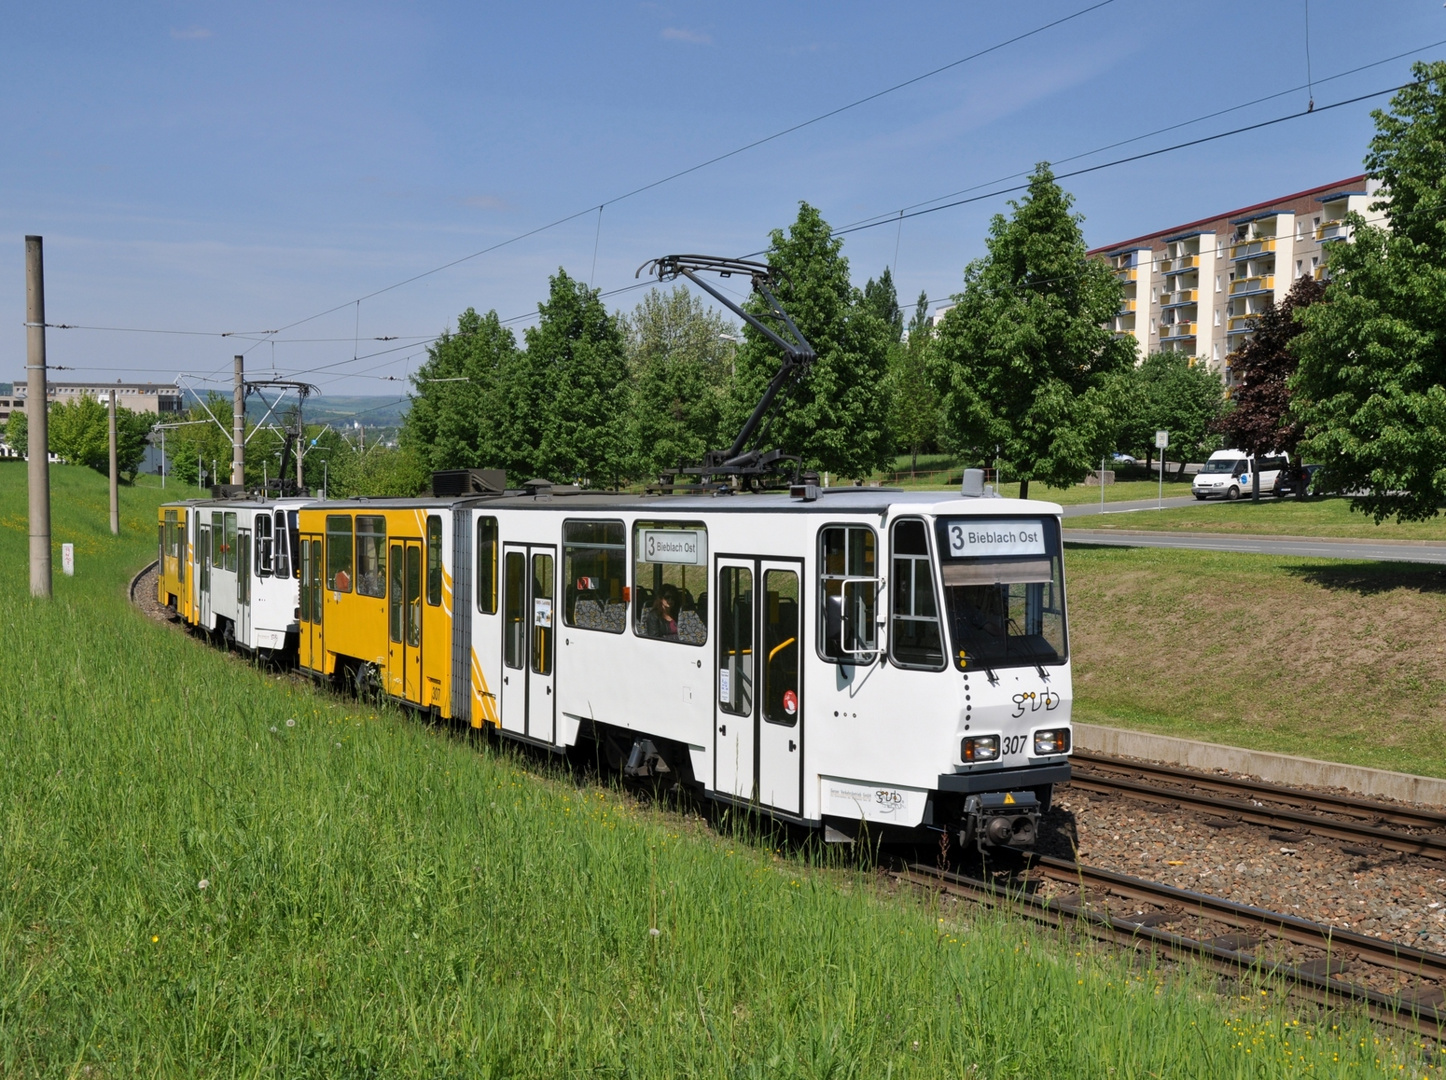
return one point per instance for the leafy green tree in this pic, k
(199, 440)
(380, 470)
(17, 432)
(457, 418)
(1260, 418)
(882, 299)
(913, 399)
(1025, 357)
(1370, 391)
(680, 354)
(836, 418)
(1177, 393)
(577, 370)
(79, 432)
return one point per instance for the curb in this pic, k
(1274, 768)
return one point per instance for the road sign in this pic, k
(1162, 440)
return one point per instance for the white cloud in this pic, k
(693, 37)
(191, 33)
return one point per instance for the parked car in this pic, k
(1126, 459)
(1230, 473)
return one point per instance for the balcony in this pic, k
(1132, 274)
(1128, 307)
(1260, 283)
(1173, 331)
(1240, 324)
(1332, 230)
(1247, 248)
(1319, 273)
(1180, 265)
(1180, 296)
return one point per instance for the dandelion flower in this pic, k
(155, 938)
(653, 931)
(273, 729)
(204, 883)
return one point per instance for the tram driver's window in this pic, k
(595, 575)
(670, 581)
(847, 594)
(338, 552)
(914, 639)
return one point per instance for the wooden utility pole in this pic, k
(114, 475)
(238, 423)
(38, 416)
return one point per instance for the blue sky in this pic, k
(222, 167)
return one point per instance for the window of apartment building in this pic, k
(1215, 350)
(1299, 267)
(1217, 282)
(1314, 262)
(1154, 294)
(1217, 316)
(1152, 326)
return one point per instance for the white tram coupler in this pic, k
(1001, 819)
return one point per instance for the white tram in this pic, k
(227, 567)
(855, 658)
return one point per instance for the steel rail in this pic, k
(1324, 801)
(1419, 1011)
(1284, 818)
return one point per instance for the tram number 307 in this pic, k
(1013, 744)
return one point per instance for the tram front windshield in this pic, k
(1003, 591)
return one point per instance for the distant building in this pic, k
(1198, 288)
(160, 398)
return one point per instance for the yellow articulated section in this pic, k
(173, 571)
(376, 598)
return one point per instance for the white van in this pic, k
(1229, 474)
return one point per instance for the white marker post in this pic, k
(1162, 443)
(67, 559)
(1102, 485)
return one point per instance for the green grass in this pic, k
(1323, 658)
(1323, 517)
(195, 886)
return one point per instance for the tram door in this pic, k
(203, 575)
(758, 729)
(243, 587)
(310, 644)
(528, 591)
(404, 618)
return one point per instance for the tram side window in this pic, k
(434, 560)
(371, 555)
(280, 561)
(305, 609)
(338, 552)
(594, 574)
(263, 545)
(514, 597)
(780, 647)
(231, 541)
(914, 639)
(487, 565)
(670, 581)
(847, 594)
(218, 543)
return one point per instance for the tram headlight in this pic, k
(980, 748)
(1053, 741)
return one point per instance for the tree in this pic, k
(17, 432)
(79, 432)
(1179, 394)
(881, 299)
(1370, 391)
(836, 417)
(679, 355)
(913, 400)
(457, 418)
(579, 373)
(1260, 420)
(1025, 356)
(198, 441)
(378, 470)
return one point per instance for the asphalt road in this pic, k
(1429, 552)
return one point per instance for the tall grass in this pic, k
(209, 871)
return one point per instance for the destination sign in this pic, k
(970, 538)
(686, 547)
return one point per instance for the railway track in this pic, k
(1404, 987)
(1365, 825)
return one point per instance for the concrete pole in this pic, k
(114, 475)
(38, 416)
(238, 424)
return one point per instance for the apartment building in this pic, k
(160, 398)
(1198, 288)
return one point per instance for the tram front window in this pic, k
(1003, 592)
